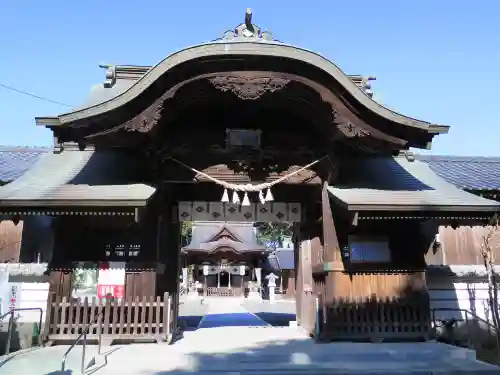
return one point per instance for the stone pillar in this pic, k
(258, 274)
(271, 294)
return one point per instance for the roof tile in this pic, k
(82, 177)
(469, 173)
(14, 161)
(391, 183)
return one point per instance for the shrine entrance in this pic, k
(224, 280)
(223, 257)
(224, 266)
(241, 129)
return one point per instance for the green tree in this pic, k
(274, 232)
(186, 232)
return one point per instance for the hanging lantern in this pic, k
(246, 201)
(269, 195)
(225, 197)
(236, 197)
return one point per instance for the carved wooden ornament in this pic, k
(348, 129)
(352, 131)
(248, 88)
(147, 119)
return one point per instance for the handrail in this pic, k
(84, 336)
(11, 323)
(475, 316)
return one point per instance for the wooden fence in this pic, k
(126, 320)
(374, 320)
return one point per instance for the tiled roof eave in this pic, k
(427, 209)
(402, 187)
(75, 179)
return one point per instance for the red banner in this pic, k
(110, 291)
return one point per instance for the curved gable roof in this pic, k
(249, 48)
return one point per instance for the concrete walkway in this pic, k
(229, 312)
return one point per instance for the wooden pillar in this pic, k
(332, 257)
(168, 253)
(60, 266)
(307, 241)
(140, 279)
(298, 274)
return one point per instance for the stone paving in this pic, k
(226, 312)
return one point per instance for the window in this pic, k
(369, 250)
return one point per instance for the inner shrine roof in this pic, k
(210, 236)
(402, 184)
(77, 178)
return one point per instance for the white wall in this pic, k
(444, 292)
(34, 294)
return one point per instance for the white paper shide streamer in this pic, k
(239, 192)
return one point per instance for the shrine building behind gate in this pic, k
(244, 128)
(225, 258)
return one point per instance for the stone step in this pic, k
(295, 356)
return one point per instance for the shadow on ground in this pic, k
(191, 322)
(276, 319)
(297, 356)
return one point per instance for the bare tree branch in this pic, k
(488, 253)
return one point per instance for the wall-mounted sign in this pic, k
(110, 291)
(122, 250)
(205, 270)
(369, 250)
(242, 270)
(15, 298)
(111, 280)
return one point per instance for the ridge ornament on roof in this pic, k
(247, 30)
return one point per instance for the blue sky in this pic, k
(438, 61)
